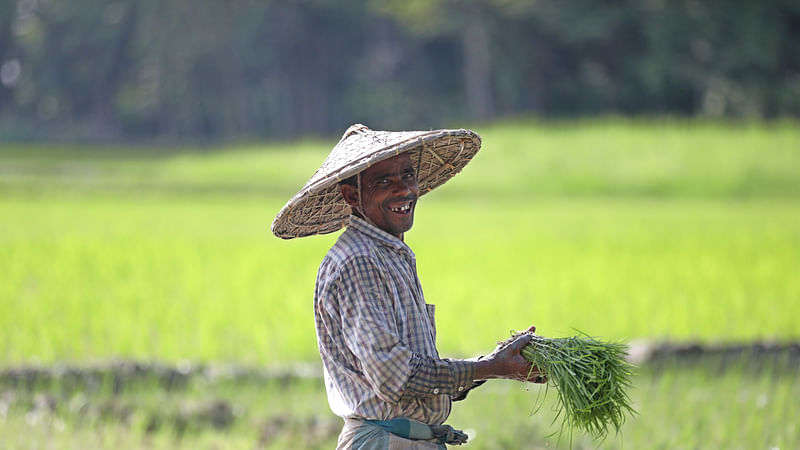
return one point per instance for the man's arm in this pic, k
(390, 366)
(456, 377)
(369, 330)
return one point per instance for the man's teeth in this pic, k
(401, 209)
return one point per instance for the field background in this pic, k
(666, 230)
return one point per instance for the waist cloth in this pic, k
(398, 433)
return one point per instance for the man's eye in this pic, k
(408, 175)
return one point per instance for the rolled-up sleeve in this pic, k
(431, 376)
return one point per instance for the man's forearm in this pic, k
(430, 376)
(485, 369)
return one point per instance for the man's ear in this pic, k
(349, 194)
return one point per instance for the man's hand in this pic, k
(506, 361)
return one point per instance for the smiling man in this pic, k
(375, 331)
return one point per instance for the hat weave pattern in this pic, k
(319, 207)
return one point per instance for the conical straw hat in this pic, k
(319, 207)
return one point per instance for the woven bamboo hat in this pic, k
(319, 208)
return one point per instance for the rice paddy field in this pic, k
(656, 230)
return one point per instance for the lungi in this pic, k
(396, 434)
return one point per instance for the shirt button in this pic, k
(435, 390)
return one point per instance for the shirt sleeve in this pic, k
(431, 376)
(370, 332)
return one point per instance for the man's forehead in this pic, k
(395, 164)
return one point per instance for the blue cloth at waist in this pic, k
(413, 429)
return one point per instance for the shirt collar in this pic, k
(371, 231)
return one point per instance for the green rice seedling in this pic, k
(591, 377)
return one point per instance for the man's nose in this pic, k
(404, 187)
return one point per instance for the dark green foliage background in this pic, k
(183, 70)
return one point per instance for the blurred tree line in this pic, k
(97, 70)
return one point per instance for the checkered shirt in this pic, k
(376, 334)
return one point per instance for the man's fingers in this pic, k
(521, 341)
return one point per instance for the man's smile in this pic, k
(403, 208)
(402, 205)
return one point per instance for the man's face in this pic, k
(389, 192)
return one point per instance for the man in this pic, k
(376, 333)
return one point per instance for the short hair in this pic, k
(352, 181)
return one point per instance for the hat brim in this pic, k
(319, 207)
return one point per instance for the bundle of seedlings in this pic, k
(591, 378)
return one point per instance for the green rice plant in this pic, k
(591, 378)
(680, 231)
